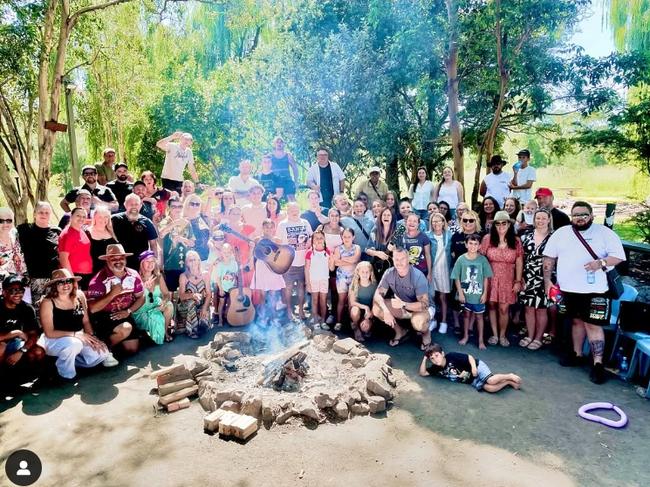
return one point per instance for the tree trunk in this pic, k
(392, 174)
(452, 92)
(487, 146)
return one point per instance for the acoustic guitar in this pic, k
(278, 257)
(241, 311)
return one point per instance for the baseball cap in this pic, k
(543, 192)
(119, 165)
(374, 169)
(13, 279)
(109, 149)
(524, 152)
(88, 167)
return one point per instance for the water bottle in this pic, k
(619, 357)
(624, 365)
(591, 277)
(517, 166)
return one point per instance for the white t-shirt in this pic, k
(297, 234)
(241, 188)
(523, 176)
(319, 269)
(176, 158)
(497, 186)
(422, 195)
(572, 256)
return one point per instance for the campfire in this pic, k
(292, 376)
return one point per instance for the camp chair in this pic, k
(641, 352)
(633, 323)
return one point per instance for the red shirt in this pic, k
(77, 245)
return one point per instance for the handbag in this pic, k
(614, 280)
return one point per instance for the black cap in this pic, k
(524, 152)
(119, 165)
(13, 279)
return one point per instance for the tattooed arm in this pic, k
(548, 268)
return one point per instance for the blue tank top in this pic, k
(280, 166)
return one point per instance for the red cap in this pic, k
(543, 192)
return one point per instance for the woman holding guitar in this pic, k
(267, 284)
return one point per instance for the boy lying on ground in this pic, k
(462, 367)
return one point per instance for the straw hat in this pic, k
(114, 250)
(61, 275)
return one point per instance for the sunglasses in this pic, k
(65, 282)
(176, 207)
(468, 220)
(195, 204)
(580, 215)
(150, 297)
(17, 290)
(89, 174)
(218, 239)
(218, 193)
(6, 220)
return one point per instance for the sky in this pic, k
(593, 35)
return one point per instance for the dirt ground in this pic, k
(103, 432)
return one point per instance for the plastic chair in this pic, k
(641, 352)
(630, 293)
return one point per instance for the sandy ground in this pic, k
(103, 432)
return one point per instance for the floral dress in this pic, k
(502, 261)
(534, 295)
(11, 259)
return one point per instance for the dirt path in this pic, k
(103, 432)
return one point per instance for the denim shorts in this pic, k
(483, 374)
(474, 308)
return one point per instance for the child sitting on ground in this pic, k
(470, 275)
(461, 367)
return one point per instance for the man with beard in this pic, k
(100, 194)
(40, 245)
(120, 186)
(582, 280)
(497, 183)
(148, 204)
(373, 186)
(113, 295)
(134, 231)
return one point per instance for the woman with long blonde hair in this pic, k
(101, 235)
(449, 190)
(360, 296)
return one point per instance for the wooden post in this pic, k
(610, 213)
(69, 109)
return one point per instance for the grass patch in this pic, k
(627, 230)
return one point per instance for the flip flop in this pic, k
(504, 342)
(398, 341)
(493, 340)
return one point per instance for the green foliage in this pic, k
(630, 22)
(641, 222)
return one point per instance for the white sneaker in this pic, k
(110, 361)
(280, 306)
(433, 324)
(443, 328)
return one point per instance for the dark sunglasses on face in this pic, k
(150, 297)
(16, 290)
(195, 204)
(89, 173)
(6, 220)
(580, 215)
(468, 220)
(176, 207)
(218, 193)
(65, 282)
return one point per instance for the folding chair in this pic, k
(633, 323)
(641, 352)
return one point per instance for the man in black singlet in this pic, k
(282, 161)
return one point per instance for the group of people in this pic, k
(135, 262)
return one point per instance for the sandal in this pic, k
(493, 340)
(535, 345)
(547, 339)
(398, 341)
(169, 338)
(338, 327)
(524, 342)
(504, 342)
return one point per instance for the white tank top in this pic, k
(449, 193)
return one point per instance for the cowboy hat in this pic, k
(114, 250)
(62, 275)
